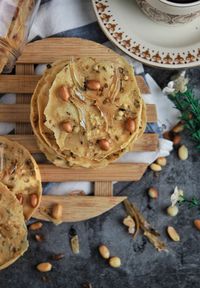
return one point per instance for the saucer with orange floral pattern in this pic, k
(154, 44)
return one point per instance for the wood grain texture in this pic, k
(18, 83)
(148, 142)
(113, 172)
(53, 49)
(77, 208)
(24, 84)
(22, 69)
(151, 113)
(21, 113)
(144, 89)
(104, 188)
(14, 112)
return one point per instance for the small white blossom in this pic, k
(169, 89)
(178, 84)
(176, 196)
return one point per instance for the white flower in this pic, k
(178, 84)
(170, 88)
(176, 196)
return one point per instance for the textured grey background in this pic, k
(142, 265)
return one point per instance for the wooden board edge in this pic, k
(78, 208)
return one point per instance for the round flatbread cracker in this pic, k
(94, 114)
(75, 149)
(13, 231)
(20, 173)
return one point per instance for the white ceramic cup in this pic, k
(169, 12)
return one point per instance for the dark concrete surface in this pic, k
(142, 266)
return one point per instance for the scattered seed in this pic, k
(104, 251)
(183, 152)
(173, 234)
(178, 128)
(155, 167)
(44, 267)
(172, 211)
(162, 161)
(197, 223)
(58, 256)
(115, 262)
(153, 193)
(36, 226)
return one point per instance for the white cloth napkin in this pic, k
(76, 18)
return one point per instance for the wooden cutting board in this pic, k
(75, 208)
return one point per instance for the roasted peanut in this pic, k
(67, 126)
(104, 251)
(178, 128)
(104, 144)
(93, 84)
(183, 152)
(177, 139)
(155, 167)
(36, 226)
(64, 93)
(57, 211)
(172, 211)
(197, 223)
(34, 200)
(115, 262)
(126, 77)
(153, 193)
(162, 161)
(173, 234)
(44, 267)
(167, 135)
(130, 125)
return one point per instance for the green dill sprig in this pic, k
(194, 202)
(189, 107)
